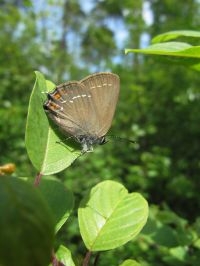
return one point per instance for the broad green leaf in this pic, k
(64, 255)
(130, 263)
(176, 49)
(171, 35)
(27, 225)
(60, 199)
(109, 216)
(44, 143)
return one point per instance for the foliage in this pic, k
(158, 108)
(27, 225)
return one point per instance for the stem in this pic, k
(55, 262)
(87, 258)
(37, 179)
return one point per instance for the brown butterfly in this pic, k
(84, 109)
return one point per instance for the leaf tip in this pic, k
(126, 51)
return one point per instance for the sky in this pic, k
(54, 15)
(51, 16)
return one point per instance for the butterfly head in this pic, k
(87, 142)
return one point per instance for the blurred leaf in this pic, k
(60, 199)
(130, 263)
(165, 236)
(26, 222)
(171, 35)
(110, 216)
(45, 151)
(179, 253)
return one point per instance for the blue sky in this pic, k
(54, 14)
(51, 18)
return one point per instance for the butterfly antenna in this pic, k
(63, 141)
(121, 139)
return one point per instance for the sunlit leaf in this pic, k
(177, 49)
(109, 216)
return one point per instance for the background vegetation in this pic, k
(158, 108)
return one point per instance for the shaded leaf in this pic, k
(26, 222)
(60, 199)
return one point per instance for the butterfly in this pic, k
(84, 109)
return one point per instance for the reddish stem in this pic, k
(37, 179)
(87, 258)
(55, 262)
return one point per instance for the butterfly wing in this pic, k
(69, 106)
(104, 91)
(86, 107)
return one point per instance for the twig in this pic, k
(37, 179)
(87, 258)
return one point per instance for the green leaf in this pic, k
(177, 49)
(43, 143)
(60, 199)
(64, 255)
(27, 225)
(179, 253)
(110, 216)
(183, 53)
(171, 35)
(130, 263)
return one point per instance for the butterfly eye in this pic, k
(80, 138)
(102, 140)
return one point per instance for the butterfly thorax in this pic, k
(87, 142)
